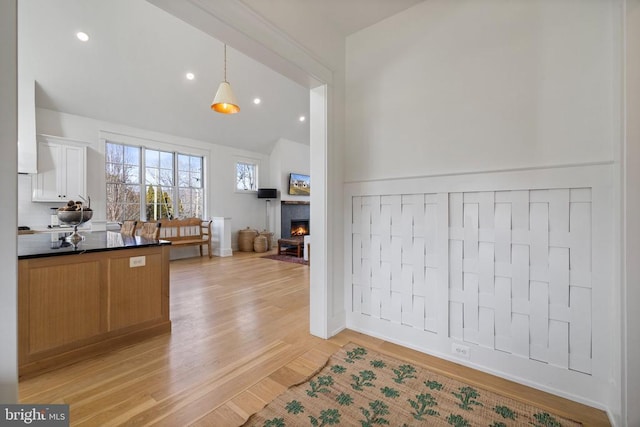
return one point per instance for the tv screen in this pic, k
(299, 185)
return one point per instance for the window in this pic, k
(190, 190)
(123, 182)
(173, 182)
(246, 176)
(159, 184)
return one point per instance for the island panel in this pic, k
(135, 292)
(64, 303)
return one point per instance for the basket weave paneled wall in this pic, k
(502, 270)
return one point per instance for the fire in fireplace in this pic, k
(299, 227)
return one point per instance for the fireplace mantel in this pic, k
(295, 202)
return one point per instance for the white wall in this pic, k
(245, 209)
(8, 177)
(223, 201)
(631, 251)
(286, 157)
(480, 85)
(438, 99)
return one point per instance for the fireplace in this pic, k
(291, 214)
(299, 227)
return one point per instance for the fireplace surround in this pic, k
(294, 214)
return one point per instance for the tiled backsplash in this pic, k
(32, 214)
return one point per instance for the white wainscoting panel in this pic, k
(527, 297)
(506, 270)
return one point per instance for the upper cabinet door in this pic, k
(74, 174)
(62, 174)
(46, 184)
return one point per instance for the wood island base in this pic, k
(71, 307)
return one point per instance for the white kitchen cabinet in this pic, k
(62, 170)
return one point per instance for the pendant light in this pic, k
(225, 101)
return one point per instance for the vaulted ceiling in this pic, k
(133, 68)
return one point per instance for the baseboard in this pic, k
(223, 252)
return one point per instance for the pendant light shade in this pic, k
(225, 101)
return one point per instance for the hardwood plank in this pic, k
(266, 390)
(246, 404)
(223, 416)
(239, 338)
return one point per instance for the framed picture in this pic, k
(299, 185)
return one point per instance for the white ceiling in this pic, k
(132, 70)
(319, 25)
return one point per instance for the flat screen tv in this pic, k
(299, 185)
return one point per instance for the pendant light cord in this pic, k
(225, 62)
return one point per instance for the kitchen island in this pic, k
(79, 301)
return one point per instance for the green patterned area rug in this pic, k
(359, 387)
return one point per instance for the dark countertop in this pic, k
(39, 245)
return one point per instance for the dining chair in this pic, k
(150, 230)
(128, 227)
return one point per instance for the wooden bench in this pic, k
(187, 232)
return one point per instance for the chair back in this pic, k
(128, 227)
(150, 230)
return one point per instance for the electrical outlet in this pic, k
(460, 350)
(137, 261)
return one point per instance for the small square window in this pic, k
(246, 176)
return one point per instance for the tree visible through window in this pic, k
(172, 183)
(246, 176)
(123, 182)
(190, 188)
(159, 174)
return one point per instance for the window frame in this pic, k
(159, 185)
(142, 184)
(124, 182)
(256, 170)
(202, 189)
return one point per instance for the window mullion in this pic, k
(174, 200)
(143, 184)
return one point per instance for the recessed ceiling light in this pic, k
(302, 118)
(257, 101)
(82, 36)
(190, 76)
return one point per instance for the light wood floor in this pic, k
(240, 337)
